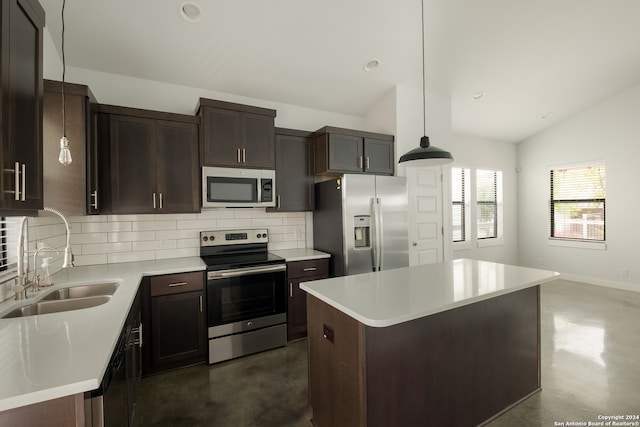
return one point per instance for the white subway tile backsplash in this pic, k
(153, 225)
(105, 227)
(130, 257)
(103, 239)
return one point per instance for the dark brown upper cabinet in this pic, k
(236, 135)
(65, 186)
(153, 160)
(21, 106)
(294, 170)
(339, 151)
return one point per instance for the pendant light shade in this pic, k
(426, 154)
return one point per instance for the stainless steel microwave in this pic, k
(232, 187)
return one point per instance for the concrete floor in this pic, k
(590, 368)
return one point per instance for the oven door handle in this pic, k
(238, 272)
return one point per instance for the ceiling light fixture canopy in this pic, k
(426, 154)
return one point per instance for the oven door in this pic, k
(246, 294)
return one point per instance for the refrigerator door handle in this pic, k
(380, 236)
(374, 234)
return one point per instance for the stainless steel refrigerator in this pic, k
(361, 220)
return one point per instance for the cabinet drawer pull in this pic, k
(368, 163)
(290, 290)
(16, 174)
(154, 200)
(200, 303)
(238, 155)
(161, 204)
(138, 340)
(278, 202)
(24, 182)
(360, 162)
(94, 195)
(173, 285)
(310, 269)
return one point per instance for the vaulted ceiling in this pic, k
(530, 58)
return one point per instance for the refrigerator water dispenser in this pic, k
(362, 228)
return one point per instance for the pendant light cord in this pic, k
(424, 97)
(64, 69)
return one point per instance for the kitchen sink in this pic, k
(82, 291)
(57, 306)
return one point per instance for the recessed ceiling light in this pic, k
(372, 64)
(546, 115)
(478, 95)
(190, 11)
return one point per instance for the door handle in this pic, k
(368, 163)
(290, 289)
(16, 175)
(161, 204)
(200, 303)
(154, 200)
(244, 155)
(24, 182)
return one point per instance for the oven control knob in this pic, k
(264, 235)
(258, 235)
(212, 238)
(205, 238)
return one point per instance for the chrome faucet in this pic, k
(21, 282)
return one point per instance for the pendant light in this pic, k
(65, 152)
(426, 154)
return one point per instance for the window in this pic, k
(8, 244)
(577, 207)
(488, 204)
(460, 204)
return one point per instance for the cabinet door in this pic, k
(379, 156)
(133, 165)
(294, 178)
(133, 358)
(257, 141)
(345, 153)
(221, 137)
(296, 311)
(178, 173)
(22, 88)
(178, 329)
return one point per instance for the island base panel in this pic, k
(459, 367)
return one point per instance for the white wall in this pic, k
(608, 132)
(474, 153)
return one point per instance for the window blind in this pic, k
(459, 200)
(488, 203)
(577, 202)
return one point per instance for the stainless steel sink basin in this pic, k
(82, 291)
(57, 306)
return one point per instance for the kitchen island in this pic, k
(452, 343)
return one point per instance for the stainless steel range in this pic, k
(246, 293)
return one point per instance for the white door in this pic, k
(426, 243)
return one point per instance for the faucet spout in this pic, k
(22, 273)
(68, 255)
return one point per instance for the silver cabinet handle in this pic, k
(238, 155)
(94, 195)
(161, 204)
(173, 285)
(154, 200)
(244, 155)
(138, 340)
(24, 182)
(290, 289)
(360, 162)
(310, 269)
(200, 303)
(368, 163)
(278, 201)
(16, 174)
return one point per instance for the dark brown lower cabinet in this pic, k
(301, 271)
(175, 328)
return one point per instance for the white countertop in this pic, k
(300, 254)
(48, 356)
(390, 297)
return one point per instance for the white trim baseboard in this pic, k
(602, 282)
